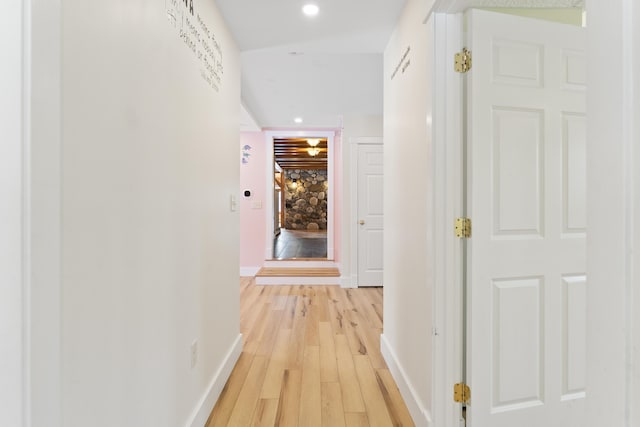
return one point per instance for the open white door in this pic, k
(370, 215)
(526, 197)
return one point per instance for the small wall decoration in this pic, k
(246, 154)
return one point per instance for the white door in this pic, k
(370, 215)
(526, 198)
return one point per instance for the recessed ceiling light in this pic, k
(298, 120)
(310, 9)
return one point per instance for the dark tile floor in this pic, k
(300, 244)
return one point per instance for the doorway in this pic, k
(367, 231)
(300, 199)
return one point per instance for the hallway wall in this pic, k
(150, 244)
(409, 179)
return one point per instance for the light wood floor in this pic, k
(311, 357)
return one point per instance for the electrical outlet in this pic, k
(194, 354)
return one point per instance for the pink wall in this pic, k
(252, 219)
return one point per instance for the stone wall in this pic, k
(305, 199)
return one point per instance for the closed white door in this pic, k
(370, 215)
(526, 197)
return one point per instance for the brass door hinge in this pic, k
(463, 228)
(461, 393)
(462, 62)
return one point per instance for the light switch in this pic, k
(233, 204)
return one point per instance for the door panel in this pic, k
(370, 215)
(518, 342)
(574, 336)
(527, 172)
(517, 171)
(574, 173)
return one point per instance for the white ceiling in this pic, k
(321, 68)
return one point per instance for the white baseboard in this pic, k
(248, 271)
(210, 397)
(420, 414)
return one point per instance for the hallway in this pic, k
(310, 353)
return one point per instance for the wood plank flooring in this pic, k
(311, 357)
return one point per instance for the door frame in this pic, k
(14, 255)
(269, 136)
(354, 143)
(33, 202)
(448, 121)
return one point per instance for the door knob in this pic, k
(361, 222)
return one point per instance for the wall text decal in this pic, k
(198, 38)
(404, 62)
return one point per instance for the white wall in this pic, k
(149, 244)
(354, 126)
(613, 340)
(572, 16)
(409, 211)
(12, 328)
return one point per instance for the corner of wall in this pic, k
(208, 400)
(347, 282)
(421, 415)
(249, 271)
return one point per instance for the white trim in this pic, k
(353, 209)
(27, 315)
(354, 143)
(613, 60)
(419, 413)
(27, 266)
(628, 133)
(330, 135)
(208, 400)
(248, 271)
(43, 211)
(13, 244)
(447, 307)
